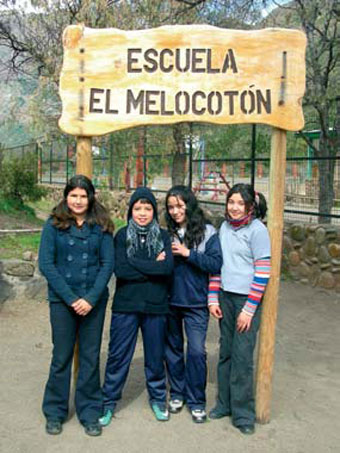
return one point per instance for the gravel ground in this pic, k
(305, 403)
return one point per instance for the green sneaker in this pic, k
(106, 418)
(161, 413)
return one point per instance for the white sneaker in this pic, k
(199, 415)
(176, 406)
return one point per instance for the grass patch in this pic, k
(44, 205)
(11, 207)
(13, 217)
(13, 246)
(119, 223)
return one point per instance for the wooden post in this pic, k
(84, 156)
(84, 167)
(270, 301)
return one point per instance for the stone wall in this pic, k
(20, 278)
(311, 254)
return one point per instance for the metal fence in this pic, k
(131, 161)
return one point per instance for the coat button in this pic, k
(85, 241)
(83, 271)
(85, 255)
(68, 275)
(71, 242)
(69, 258)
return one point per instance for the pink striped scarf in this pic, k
(238, 223)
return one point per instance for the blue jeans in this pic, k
(123, 338)
(188, 377)
(66, 325)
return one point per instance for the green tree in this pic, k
(319, 19)
(33, 43)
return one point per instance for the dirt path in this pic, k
(306, 391)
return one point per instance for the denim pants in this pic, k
(66, 325)
(235, 366)
(123, 338)
(188, 377)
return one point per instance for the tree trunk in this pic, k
(139, 160)
(178, 169)
(337, 126)
(179, 160)
(326, 179)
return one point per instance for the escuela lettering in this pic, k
(167, 103)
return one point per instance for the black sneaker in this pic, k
(93, 429)
(247, 429)
(199, 416)
(53, 427)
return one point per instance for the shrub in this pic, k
(18, 180)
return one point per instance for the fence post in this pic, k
(41, 162)
(253, 153)
(51, 157)
(111, 163)
(190, 155)
(145, 177)
(67, 159)
(37, 163)
(270, 300)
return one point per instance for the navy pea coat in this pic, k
(77, 262)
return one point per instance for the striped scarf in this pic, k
(238, 223)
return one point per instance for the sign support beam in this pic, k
(84, 156)
(265, 360)
(84, 166)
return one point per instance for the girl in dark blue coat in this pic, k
(76, 257)
(143, 264)
(197, 252)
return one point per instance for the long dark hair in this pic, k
(96, 213)
(251, 199)
(195, 218)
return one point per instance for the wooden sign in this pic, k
(113, 79)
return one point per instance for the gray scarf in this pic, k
(149, 235)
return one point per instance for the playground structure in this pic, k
(213, 183)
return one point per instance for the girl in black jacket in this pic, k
(142, 267)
